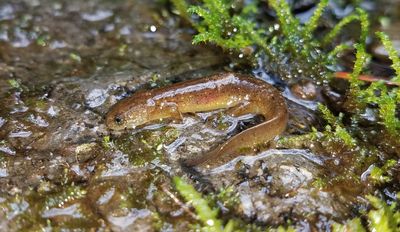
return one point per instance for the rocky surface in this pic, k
(64, 63)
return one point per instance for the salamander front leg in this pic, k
(171, 110)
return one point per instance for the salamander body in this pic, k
(239, 94)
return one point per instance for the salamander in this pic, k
(237, 93)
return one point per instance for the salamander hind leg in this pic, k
(242, 109)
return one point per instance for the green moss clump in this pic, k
(390, 99)
(107, 143)
(386, 99)
(146, 146)
(227, 197)
(392, 54)
(181, 6)
(383, 217)
(339, 130)
(361, 59)
(236, 29)
(354, 225)
(359, 15)
(14, 84)
(70, 193)
(380, 175)
(206, 215)
(313, 22)
(219, 26)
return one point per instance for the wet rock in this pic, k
(132, 220)
(60, 164)
(278, 184)
(98, 15)
(304, 90)
(96, 98)
(128, 202)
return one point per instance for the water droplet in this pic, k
(109, 27)
(57, 44)
(3, 172)
(210, 222)
(38, 120)
(72, 211)
(153, 28)
(125, 30)
(2, 121)
(21, 38)
(124, 221)
(96, 98)
(53, 111)
(97, 16)
(6, 12)
(7, 150)
(20, 134)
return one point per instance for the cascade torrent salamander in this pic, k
(239, 94)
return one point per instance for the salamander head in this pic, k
(127, 114)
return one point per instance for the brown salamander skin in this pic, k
(240, 94)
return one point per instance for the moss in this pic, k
(339, 130)
(288, 22)
(145, 146)
(383, 217)
(235, 29)
(313, 22)
(68, 194)
(106, 142)
(353, 225)
(332, 55)
(228, 197)
(361, 58)
(75, 57)
(181, 6)
(380, 175)
(14, 83)
(43, 40)
(360, 15)
(319, 183)
(299, 140)
(207, 216)
(392, 54)
(282, 229)
(219, 26)
(388, 99)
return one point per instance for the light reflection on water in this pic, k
(249, 160)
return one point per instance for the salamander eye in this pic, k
(118, 120)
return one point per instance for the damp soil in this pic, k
(63, 64)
